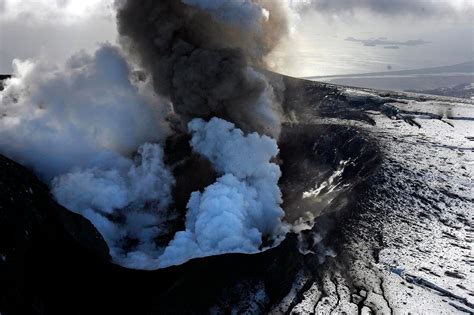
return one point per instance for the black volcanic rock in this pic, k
(34, 228)
(53, 261)
(314, 156)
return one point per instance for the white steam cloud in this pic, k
(54, 119)
(79, 127)
(242, 207)
(125, 199)
(93, 135)
(93, 130)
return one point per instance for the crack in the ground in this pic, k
(431, 286)
(384, 296)
(338, 297)
(361, 303)
(318, 282)
(460, 308)
(299, 296)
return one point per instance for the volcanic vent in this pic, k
(184, 79)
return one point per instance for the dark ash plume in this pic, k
(201, 55)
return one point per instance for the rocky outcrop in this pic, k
(53, 261)
(35, 231)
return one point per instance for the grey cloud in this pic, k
(391, 7)
(49, 41)
(62, 3)
(387, 43)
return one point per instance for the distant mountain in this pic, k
(417, 79)
(461, 68)
(465, 90)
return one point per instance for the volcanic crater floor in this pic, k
(380, 183)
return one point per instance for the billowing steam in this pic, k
(56, 119)
(125, 199)
(94, 129)
(78, 127)
(242, 207)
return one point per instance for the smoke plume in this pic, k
(94, 129)
(201, 55)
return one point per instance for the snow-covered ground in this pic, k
(389, 192)
(407, 245)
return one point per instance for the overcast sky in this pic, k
(319, 45)
(52, 29)
(444, 27)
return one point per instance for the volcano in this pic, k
(378, 186)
